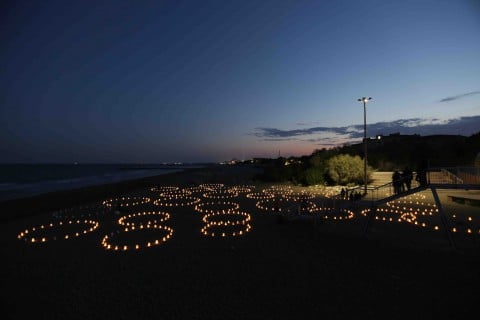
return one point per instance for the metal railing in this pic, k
(438, 176)
(459, 175)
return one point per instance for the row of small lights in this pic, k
(275, 205)
(278, 189)
(125, 201)
(212, 186)
(220, 194)
(176, 201)
(26, 235)
(164, 216)
(260, 195)
(242, 188)
(162, 189)
(203, 207)
(72, 213)
(335, 214)
(298, 196)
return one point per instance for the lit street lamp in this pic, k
(365, 179)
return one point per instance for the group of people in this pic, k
(353, 195)
(402, 181)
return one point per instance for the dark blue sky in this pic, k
(153, 81)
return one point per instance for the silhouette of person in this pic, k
(421, 176)
(342, 193)
(407, 177)
(396, 182)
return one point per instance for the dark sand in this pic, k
(277, 271)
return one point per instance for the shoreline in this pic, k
(18, 208)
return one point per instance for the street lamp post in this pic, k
(365, 179)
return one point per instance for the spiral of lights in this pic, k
(226, 224)
(216, 207)
(124, 202)
(38, 234)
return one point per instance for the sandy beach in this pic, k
(306, 268)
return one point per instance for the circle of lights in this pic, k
(109, 243)
(225, 226)
(29, 235)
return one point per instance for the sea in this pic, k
(25, 180)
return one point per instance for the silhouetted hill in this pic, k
(385, 153)
(397, 151)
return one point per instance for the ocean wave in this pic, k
(12, 190)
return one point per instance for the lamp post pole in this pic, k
(365, 179)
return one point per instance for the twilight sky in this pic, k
(152, 81)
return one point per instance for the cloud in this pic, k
(447, 99)
(304, 124)
(330, 136)
(279, 139)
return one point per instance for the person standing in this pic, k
(396, 182)
(407, 177)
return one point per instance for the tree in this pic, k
(344, 169)
(314, 175)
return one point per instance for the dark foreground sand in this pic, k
(277, 271)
